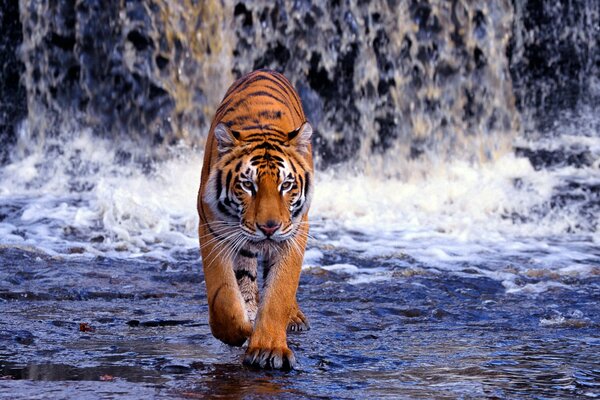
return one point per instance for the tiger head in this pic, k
(261, 186)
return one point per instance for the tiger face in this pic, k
(262, 187)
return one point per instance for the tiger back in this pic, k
(255, 193)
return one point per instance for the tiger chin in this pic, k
(255, 193)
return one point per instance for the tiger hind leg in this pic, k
(298, 321)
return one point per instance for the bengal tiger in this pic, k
(255, 192)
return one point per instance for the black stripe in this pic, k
(294, 158)
(296, 204)
(240, 82)
(270, 114)
(262, 128)
(239, 120)
(280, 90)
(247, 253)
(233, 107)
(272, 76)
(262, 93)
(223, 105)
(266, 269)
(293, 133)
(284, 81)
(219, 184)
(230, 109)
(301, 180)
(228, 181)
(241, 273)
(293, 166)
(283, 94)
(297, 212)
(257, 139)
(264, 136)
(268, 146)
(224, 210)
(273, 79)
(236, 88)
(251, 80)
(307, 184)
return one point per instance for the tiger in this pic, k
(255, 193)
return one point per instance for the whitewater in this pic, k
(495, 217)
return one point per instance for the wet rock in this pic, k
(135, 70)
(554, 56)
(20, 336)
(543, 158)
(175, 369)
(13, 99)
(155, 323)
(373, 75)
(422, 77)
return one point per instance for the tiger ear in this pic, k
(226, 139)
(300, 138)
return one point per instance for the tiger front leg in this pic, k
(226, 309)
(267, 347)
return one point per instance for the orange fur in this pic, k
(253, 201)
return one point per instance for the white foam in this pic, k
(312, 257)
(344, 268)
(455, 200)
(357, 275)
(459, 215)
(133, 213)
(533, 288)
(573, 318)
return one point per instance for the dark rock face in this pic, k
(383, 76)
(133, 70)
(555, 57)
(405, 80)
(13, 98)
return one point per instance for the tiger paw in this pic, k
(270, 357)
(233, 336)
(298, 322)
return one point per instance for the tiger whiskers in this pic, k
(223, 245)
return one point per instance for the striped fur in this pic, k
(255, 192)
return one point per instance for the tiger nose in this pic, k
(269, 228)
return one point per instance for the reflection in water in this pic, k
(237, 382)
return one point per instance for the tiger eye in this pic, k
(286, 185)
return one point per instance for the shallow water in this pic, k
(420, 333)
(476, 280)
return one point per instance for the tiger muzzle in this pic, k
(269, 228)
